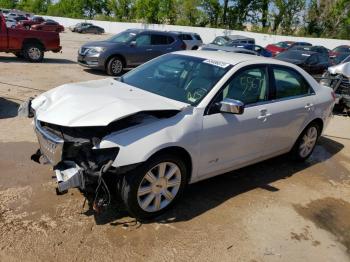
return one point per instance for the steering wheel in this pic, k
(196, 94)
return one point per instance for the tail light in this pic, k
(333, 95)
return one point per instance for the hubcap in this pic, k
(117, 66)
(308, 141)
(34, 53)
(159, 187)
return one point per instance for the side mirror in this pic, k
(231, 106)
(133, 43)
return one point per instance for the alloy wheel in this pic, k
(308, 141)
(159, 187)
(117, 66)
(34, 53)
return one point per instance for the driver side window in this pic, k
(249, 86)
(143, 40)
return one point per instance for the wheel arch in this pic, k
(28, 41)
(317, 120)
(115, 55)
(182, 153)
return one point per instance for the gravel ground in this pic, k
(273, 211)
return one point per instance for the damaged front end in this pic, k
(76, 156)
(75, 159)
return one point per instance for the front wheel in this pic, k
(115, 66)
(306, 142)
(155, 186)
(33, 52)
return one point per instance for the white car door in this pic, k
(291, 109)
(231, 140)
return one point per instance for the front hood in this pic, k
(97, 103)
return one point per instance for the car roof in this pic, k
(182, 32)
(137, 31)
(308, 52)
(238, 37)
(230, 57)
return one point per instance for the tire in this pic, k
(33, 52)
(115, 66)
(147, 204)
(305, 144)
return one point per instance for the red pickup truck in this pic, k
(29, 44)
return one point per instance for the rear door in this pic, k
(161, 44)
(289, 110)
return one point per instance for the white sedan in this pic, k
(178, 119)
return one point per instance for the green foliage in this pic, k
(7, 4)
(317, 18)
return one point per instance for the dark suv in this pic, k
(128, 49)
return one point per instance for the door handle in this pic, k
(308, 106)
(263, 114)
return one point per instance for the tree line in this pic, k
(316, 18)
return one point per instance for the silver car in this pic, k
(192, 40)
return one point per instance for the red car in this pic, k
(49, 25)
(27, 24)
(339, 53)
(29, 44)
(275, 49)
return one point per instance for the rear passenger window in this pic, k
(290, 83)
(170, 40)
(198, 37)
(186, 37)
(159, 40)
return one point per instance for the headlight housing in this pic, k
(95, 50)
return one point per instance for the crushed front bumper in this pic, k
(69, 176)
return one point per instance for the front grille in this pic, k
(51, 145)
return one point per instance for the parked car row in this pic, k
(84, 28)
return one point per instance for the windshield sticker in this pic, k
(216, 63)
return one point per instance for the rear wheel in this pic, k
(33, 52)
(115, 66)
(155, 186)
(306, 142)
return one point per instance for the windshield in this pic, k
(123, 37)
(342, 49)
(346, 59)
(283, 44)
(183, 78)
(295, 55)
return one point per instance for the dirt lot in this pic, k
(273, 211)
